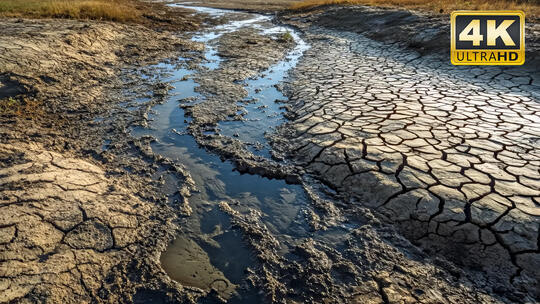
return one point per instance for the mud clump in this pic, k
(90, 235)
(371, 263)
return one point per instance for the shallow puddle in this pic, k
(196, 270)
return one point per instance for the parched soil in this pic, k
(76, 225)
(422, 177)
(71, 234)
(447, 154)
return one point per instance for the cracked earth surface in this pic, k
(65, 226)
(450, 155)
(80, 221)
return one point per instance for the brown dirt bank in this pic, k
(79, 222)
(420, 29)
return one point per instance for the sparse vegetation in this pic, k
(530, 7)
(8, 105)
(113, 10)
(25, 109)
(286, 37)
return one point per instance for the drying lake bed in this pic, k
(260, 157)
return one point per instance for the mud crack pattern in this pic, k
(451, 156)
(81, 221)
(69, 230)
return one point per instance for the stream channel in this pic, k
(208, 254)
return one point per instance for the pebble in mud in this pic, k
(441, 152)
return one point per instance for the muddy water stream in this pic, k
(208, 254)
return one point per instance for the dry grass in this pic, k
(530, 7)
(113, 10)
(27, 109)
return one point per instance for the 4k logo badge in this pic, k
(487, 38)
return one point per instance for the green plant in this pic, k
(286, 37)
(9, 105)
(25, 108)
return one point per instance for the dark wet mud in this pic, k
(276, 235)
(252, 162)
(208, 254)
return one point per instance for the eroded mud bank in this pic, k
(82, 219)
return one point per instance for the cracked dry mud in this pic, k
(403, 144)
(369, 261)
(449, 155)
(65, 227)
(75, 225)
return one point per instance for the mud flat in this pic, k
(448, 155)
(246, 161)
(307, 244)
